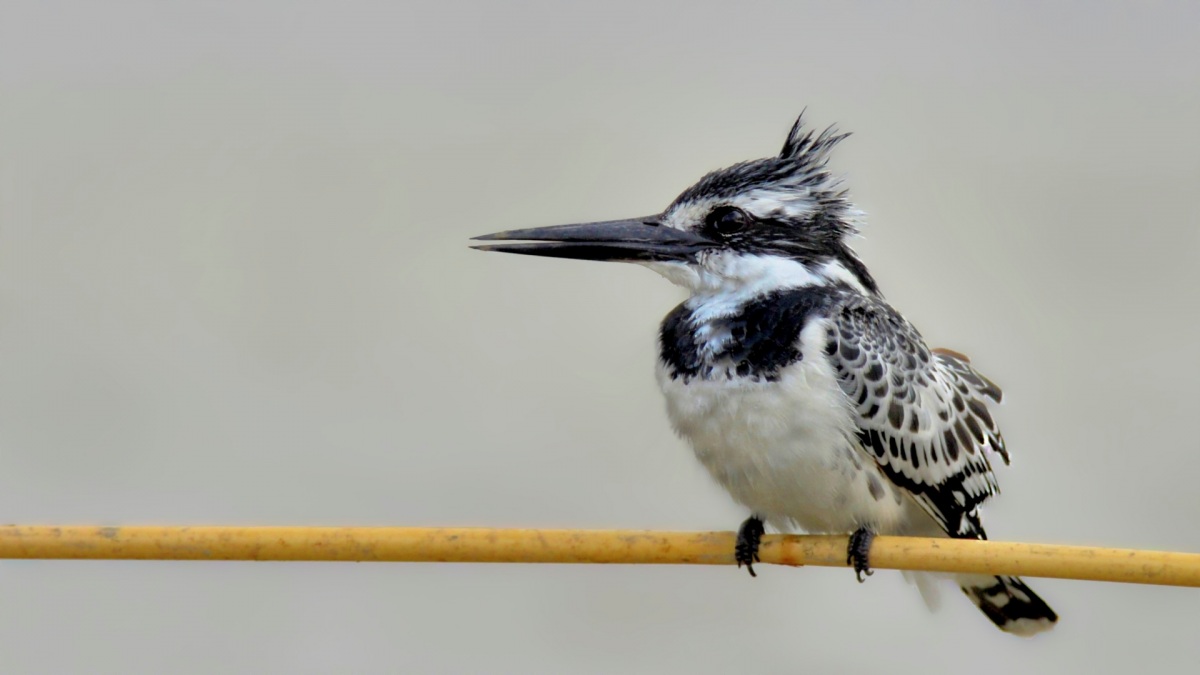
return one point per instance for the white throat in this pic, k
(723, 282)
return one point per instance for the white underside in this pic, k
(787, 449)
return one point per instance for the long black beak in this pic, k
(616, 240)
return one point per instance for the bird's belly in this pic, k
(786, 449)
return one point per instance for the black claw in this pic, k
(748, 539)
(857, 553)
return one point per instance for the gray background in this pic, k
(235, 288)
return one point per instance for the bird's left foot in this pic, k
(857, 553)
(748, 539)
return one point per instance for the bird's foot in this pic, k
(748, 539)
(857, 553)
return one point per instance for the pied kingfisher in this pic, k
(800, 389)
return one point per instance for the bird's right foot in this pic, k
(748, 539)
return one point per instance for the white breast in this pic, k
(786, 448)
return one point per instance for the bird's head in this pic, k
(751, 228)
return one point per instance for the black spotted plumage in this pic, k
(921, 414)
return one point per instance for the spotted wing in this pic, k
(922, 414)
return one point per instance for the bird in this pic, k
(801, 390)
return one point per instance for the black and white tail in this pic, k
(1009, 603)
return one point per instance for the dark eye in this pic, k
(728, 220)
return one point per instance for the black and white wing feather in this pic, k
(921, 414)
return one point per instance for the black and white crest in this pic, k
(790, 206)
(798, 176)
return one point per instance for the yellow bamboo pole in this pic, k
(417, 544)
